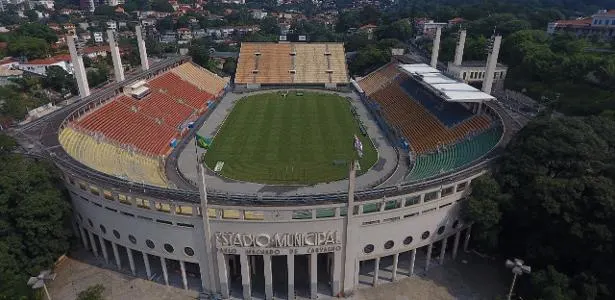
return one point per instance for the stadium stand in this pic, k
(126, 125)
(111, 159)
(291, 63)
(379, 79)
(201, 78)
(160, 106)
(181, 91)
(455, 156)
(414, 121)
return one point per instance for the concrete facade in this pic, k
(268, 251)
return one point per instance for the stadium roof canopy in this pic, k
(445, 87)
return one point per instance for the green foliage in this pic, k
(37, 30)
(483, 208)
(400, 30)
(229, 66)
(199, 51)
(34, 220)
(269, 25)
(98, 76)
(105, 10)
(60, 81)
(30, 47)
(556, 205)
(94, 292)
(162, 6)
(370, 58)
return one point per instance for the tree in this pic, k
(34, 220)
(200, 55)
(37, 30)
(369, 58)
(162, 6)
(483, 209)
(400, 30)
(105, 10)
(165, 23)
(30, 47)
(31, 15)
(229, 66)
(269, 25)
(59, 80)
(94, 292)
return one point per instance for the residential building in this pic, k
(601, 24)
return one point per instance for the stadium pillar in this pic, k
(443, 250)
(78, 67)
(116, 254)
(492, 62)
(245, 276)
(313, 275)
(394, 271)
(412, 260)
(182, 267)
(94, 249)
(142, 49)
(223, 274)
(351, 268)
(165, 274)
(118, 70)
(103, 249)
(268, 279)
(148, 270)
(131, 261)
(466, 241)
(84, 239)
(337, 270)
(376, 269)
(456, 244)
(435, 49)
(290, 262)
(206, 259)
(428, 257)
(460, 47)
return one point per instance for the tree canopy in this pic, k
(34, 219)
(552, 202)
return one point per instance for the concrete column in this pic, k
(253, 264)
(435, 50)
(165, 273)
(131, 261)
(245, 276)
(428, 257)
(116, 254)
(313, 275)
(456, 244)
(466, 241)
(290, 262)
(376, 269)
(94, 248)
(337, 270)
(148, 270)
(223, 274)
(182, 267)
(443, 250)
(460, 47)
(350, 262)
(104, 249)
(78, 67)
(142, 49)
(118, 69)
(84, 238)
(492, 62)
(412, 260)
(268, 279)
(395, 262)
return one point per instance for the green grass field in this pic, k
(298, 140)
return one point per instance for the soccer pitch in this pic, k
(294, 140)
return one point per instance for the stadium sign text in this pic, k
(277, 240)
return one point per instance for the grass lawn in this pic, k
(269, 139)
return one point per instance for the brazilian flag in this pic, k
(202, 142)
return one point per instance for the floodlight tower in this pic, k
(39, 281)
(142, 50)
(518, 268)
(493, 48)
(75, 48)
(118, 70)
(461, 42)
(435, 50)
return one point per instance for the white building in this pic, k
(40, 66)
(601, 24)
(111, 25)
(474, 71)
(98, 37)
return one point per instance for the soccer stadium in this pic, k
(292, 181)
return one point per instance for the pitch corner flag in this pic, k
(201, 141)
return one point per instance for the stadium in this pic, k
(290, 181)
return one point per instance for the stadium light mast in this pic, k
(435, 49)
(118, 69)
(142, 50)
(461, 42)
(76, 54)
(39, 281)
(518, 268)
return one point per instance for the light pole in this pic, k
(39, 281)
(518, 268)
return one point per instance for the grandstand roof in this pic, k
(447, 88)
